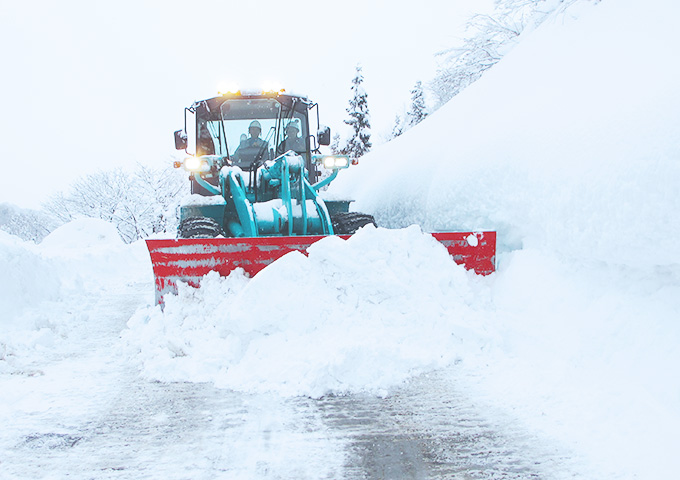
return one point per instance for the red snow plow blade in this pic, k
(187, 260)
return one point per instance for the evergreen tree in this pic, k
(360, 141)
(418, 110)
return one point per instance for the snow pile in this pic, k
(83, 233)
(93, 257)
(26, 278)
(25, 275)
(356, 315)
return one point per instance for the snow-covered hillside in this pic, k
(570, 144)
(569, 148)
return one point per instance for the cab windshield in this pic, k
(249, 131)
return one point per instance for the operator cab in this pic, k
(246, 130)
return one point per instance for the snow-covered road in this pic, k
(84, 411)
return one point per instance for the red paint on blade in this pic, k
(188, 260)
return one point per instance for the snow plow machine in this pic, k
(255, 171)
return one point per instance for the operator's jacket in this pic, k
(295, 144)
(249, 151)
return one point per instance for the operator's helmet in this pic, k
(255, 124)
(292, 125)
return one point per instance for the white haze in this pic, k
(96, 85)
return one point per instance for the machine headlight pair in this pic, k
(333, 162)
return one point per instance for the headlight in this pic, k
(195, 164)
(334, 162)
(341, 162)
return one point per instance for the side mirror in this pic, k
(180, 140)
(324, 135)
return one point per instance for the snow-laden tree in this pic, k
(418, 110)
(491, 36)
(138, 203)
(359, 119)
(335, 146)
(164, 188)
(27, 224)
